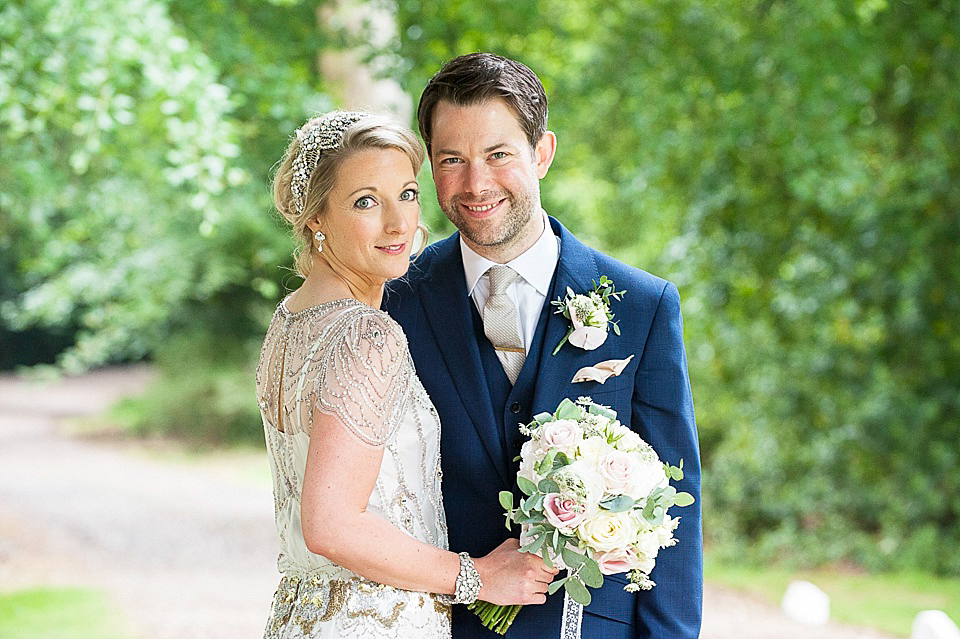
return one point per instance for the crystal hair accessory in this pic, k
(315, 137)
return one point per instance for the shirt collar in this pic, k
(535, 265)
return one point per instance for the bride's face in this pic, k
(372, 215)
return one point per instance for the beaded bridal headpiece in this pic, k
(315, 137)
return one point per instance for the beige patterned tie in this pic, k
(500, 323)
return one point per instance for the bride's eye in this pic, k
(366, 202)
(409, 195)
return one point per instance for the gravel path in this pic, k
(184, 547)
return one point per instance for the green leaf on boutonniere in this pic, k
(506, 499)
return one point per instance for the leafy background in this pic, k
(792, 166)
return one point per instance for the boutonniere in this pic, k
(589, 315)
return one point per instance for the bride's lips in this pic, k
(393, 249)
(481, 211)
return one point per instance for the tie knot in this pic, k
(501, 277)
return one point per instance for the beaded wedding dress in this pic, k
(347, 359)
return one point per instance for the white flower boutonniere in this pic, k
(589, 315)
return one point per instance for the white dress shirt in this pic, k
(529, 291)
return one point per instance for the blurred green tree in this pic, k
(134, 167)
(793, 167)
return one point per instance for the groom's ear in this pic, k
(543, 153)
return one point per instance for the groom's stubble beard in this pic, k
(499, 232)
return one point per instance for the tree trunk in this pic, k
(354, 74)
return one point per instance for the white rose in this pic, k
(607, 531)
(648, 544)
(592, 449)
(628, 441)
(528, 461)
(647, 476)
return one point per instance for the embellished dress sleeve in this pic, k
(366, 378)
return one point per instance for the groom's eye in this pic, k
(499, 155)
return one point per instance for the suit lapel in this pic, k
(447, 307)
(577, 270)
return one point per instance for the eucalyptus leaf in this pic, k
(684, 499)
(602, 411)
(506, 499)
(548, 486)
(527, 486)
(545, 555)
(556, 585)
(590, 573)
(568, 410)
(618, 504)
(543, 418)
(577, 591)
(572, 558)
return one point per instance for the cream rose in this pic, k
(608, 531)
(563, 435)
(618, 469)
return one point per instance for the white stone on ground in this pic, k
(804, 602)
(934, 624)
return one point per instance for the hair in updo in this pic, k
(372, 132)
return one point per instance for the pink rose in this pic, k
(617, 469)
(617, 561)
(562, 434)
(563, 513)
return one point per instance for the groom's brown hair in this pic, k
(477, 77)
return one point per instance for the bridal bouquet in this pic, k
(595, 502)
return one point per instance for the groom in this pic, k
(476, 311)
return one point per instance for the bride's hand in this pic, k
(513, 577)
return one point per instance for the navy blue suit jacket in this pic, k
(479, 440)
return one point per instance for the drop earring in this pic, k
(319, 237)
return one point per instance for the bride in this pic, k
(352, 437)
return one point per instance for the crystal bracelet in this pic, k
(468, 582)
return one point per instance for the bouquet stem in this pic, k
(494, 617)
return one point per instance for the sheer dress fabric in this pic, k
(349, 360)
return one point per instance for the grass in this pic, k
(886, 602)
(57, 613)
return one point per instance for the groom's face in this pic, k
(487, 176)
